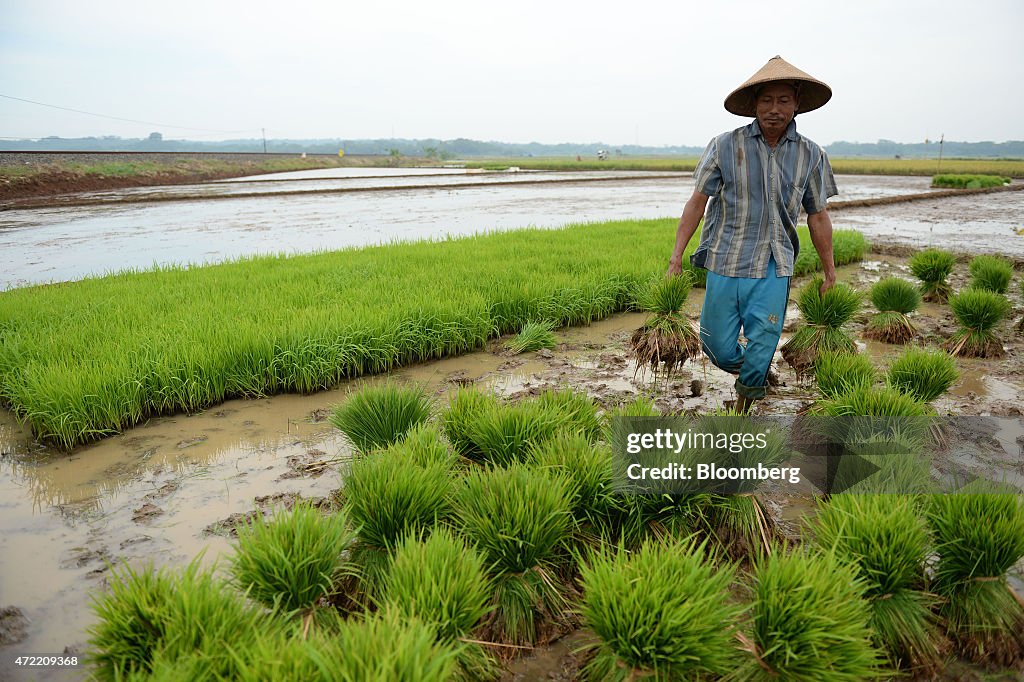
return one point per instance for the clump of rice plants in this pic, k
(313, 655)
(923, 374)
(968, 180)
(291, 561)
(932, 267)
(444, 584)
(979, 536)
(664, 611)
(463, 409)
(991, 273)
(838, 373)
(894, 298)
(423, 446)
(518, 517)
(387, 498)
(809, 621)
(533, 336)
(377, 416)
(825, 317)
(575, 411)
(387, 645)
(978, 312)
(886, 540)
(153, 615)
(667, 340)
(505, 433)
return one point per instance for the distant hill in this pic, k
(462, 147)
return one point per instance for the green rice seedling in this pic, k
(667, 340)
(150, 615)
(825, 317)
(808, 621)
(574, 410)
(979, 536)
(463, 409)
(894, 298)
(423, 446)
(519, 518)
(887, 542)
(968, 181)
(377, 416)
(838, 373)
(589, 467)
(291, 561)
(978, 312)
(533, 336)
(444, 584)
(923, 374)
(505, 433)
(287, 656)
(932, 267)
(991, 273)
(663, 612)
(386, 499)
(388, 647)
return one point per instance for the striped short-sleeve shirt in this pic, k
(756, 194)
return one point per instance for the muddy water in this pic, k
(60, 244)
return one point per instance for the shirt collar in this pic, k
(754, 130)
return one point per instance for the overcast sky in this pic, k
(547, 71)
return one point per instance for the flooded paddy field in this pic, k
(71, 242)
(175, 486)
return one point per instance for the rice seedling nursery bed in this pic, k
(303, 644)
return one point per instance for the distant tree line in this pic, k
(462, 147)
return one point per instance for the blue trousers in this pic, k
(758, 306)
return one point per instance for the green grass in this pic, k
(533, 336)
(662, 612)
(968, 181)
(923, 374)
(377, 416)
(291, 561)
(83, 360)
(992, 273)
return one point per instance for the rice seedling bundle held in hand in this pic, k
(932, 267)
(662, 612)
(991, 273)
(377, 416)
(894, 298)
(667, 340)
(978, 312)
(979, 536)
(923, 374)
(886, 540)
(824, 318)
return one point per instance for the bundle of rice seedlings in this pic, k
(505, 433)
(590, 469)
(991, 273)
(462, 411)
(519, 518)
(894, 298)
(285, 656)
(533, 336)
(444, 584)
(386, 499)
(978, 312)
(887, 542)
(388, 647)
(291, 561)
(979, 537)
(575, 411)
(808, 621)
(667, 340)
(923, 374)
(838, 373)
(825, 317)
(377, 416)
(164, 615)
(663, 612)
(932, 267)
(424, 446)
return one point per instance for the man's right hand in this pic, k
(675, 268)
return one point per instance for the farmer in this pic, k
(754, 182)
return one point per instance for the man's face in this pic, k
(776, 106)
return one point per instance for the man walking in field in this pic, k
(753, 181)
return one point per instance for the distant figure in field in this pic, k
(753, 181)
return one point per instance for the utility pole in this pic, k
(941, 140)
(264, 140)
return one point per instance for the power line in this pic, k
(119, 118)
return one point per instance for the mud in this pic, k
(179, 486)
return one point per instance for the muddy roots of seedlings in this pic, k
(664, 344)
(802, 349)
(890, 327)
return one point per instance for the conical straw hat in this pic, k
(813, 93)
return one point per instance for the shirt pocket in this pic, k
(794, 195)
